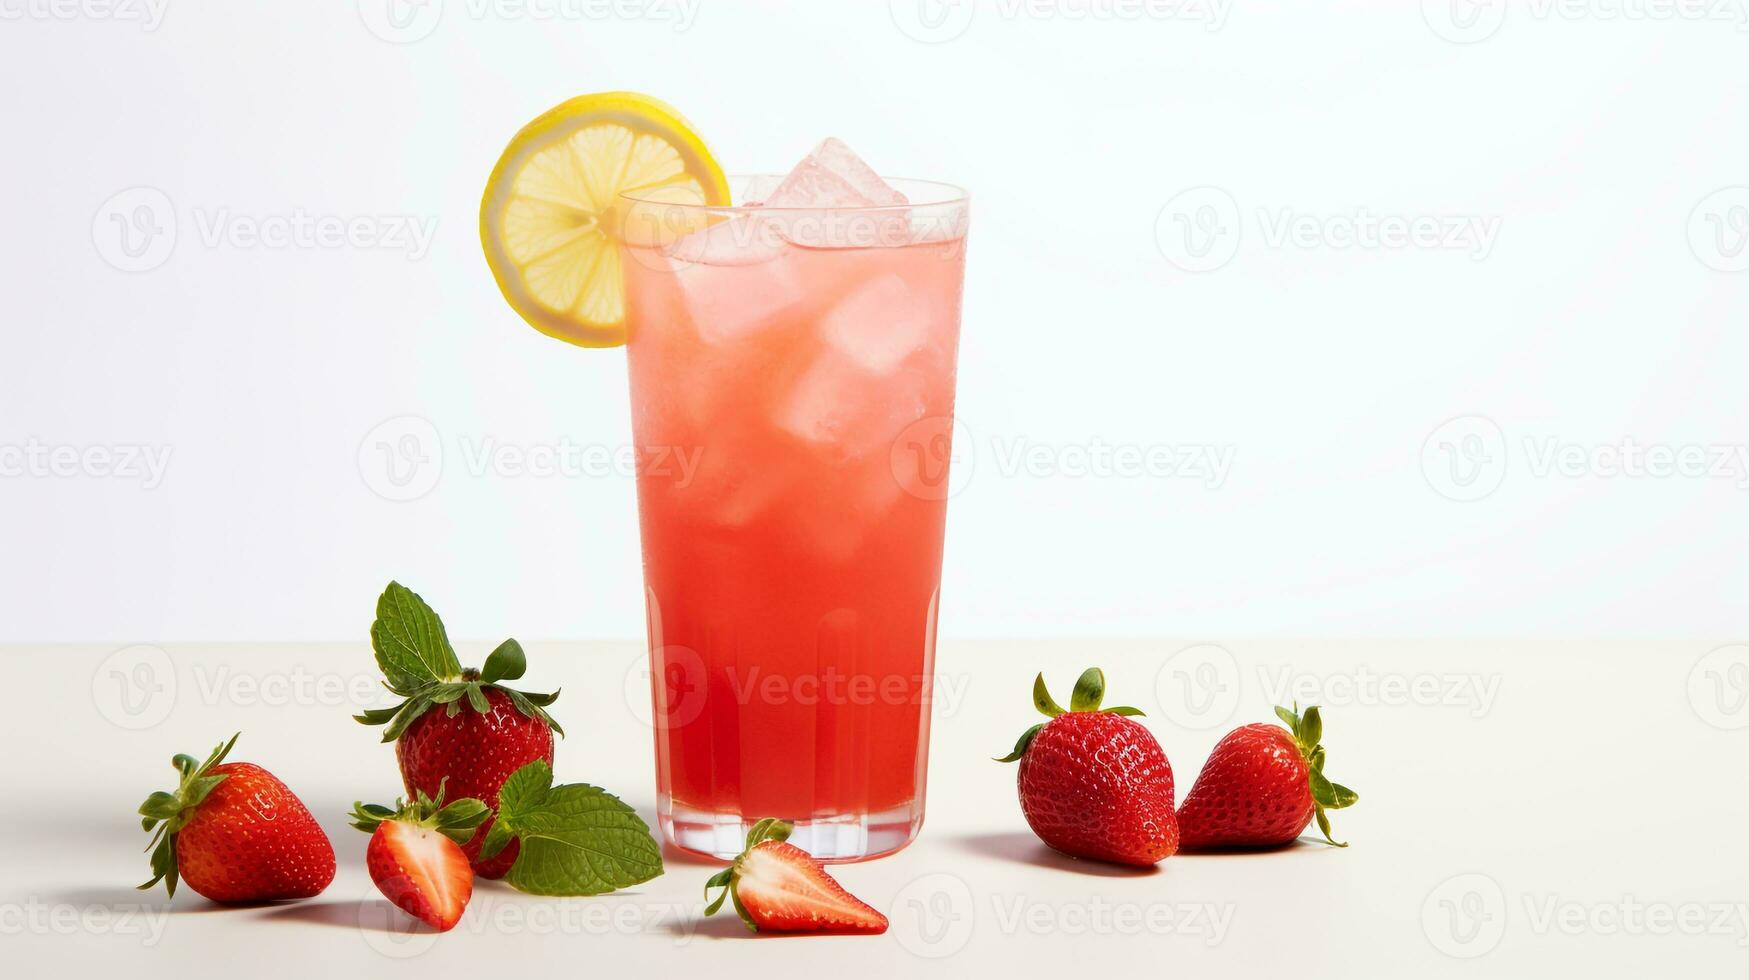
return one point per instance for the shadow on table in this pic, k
(1024, 847)
(349, 915)
(1305, 844)
(114, 896)
(724, 925)
(187, 902)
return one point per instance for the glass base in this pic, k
(836, 839)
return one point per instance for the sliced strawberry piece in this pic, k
(416, 859)
(778, 887)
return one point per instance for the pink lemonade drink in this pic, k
(795, 367)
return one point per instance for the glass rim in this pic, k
(947, 195)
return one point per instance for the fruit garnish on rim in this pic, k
(457, 727)
(550, 219)
(1262, 786)
(415, 855)
(1093, 783)
(235, 833)
(776, 886)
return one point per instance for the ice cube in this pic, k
(832, 199)
(833, 176)
(730, 302)
(842, 411)
(880, 324)
(743, 240)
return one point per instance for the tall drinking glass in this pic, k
(792, 386)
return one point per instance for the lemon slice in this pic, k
(549, 219)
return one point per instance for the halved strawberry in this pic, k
(415, 855)
(777, 886)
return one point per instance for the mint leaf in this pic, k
(411, 647)
(576, 839)
(524, 790)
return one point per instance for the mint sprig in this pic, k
(420, 666)
(411, 646)
(576, 839)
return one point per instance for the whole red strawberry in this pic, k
(415, 857)
(459, 726)
(1093, 783)
(1262, 786)
(235, 833)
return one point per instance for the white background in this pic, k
(1602, 308)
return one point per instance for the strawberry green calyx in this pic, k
(420, 666)
(456, 821)
(729, 878)
(1308, 730)
(170, 812)
(1089, 692)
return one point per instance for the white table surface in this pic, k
(1525, 807)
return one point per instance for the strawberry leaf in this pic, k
(1089, 690)
(1311, 728)
(379, 716)
(721, 879)
(1042, 700)
(1290, 719)
(1020, 746)
(497, 839)
(1308, 732)
(506, 663)
(1324, 827)
(170, 812)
